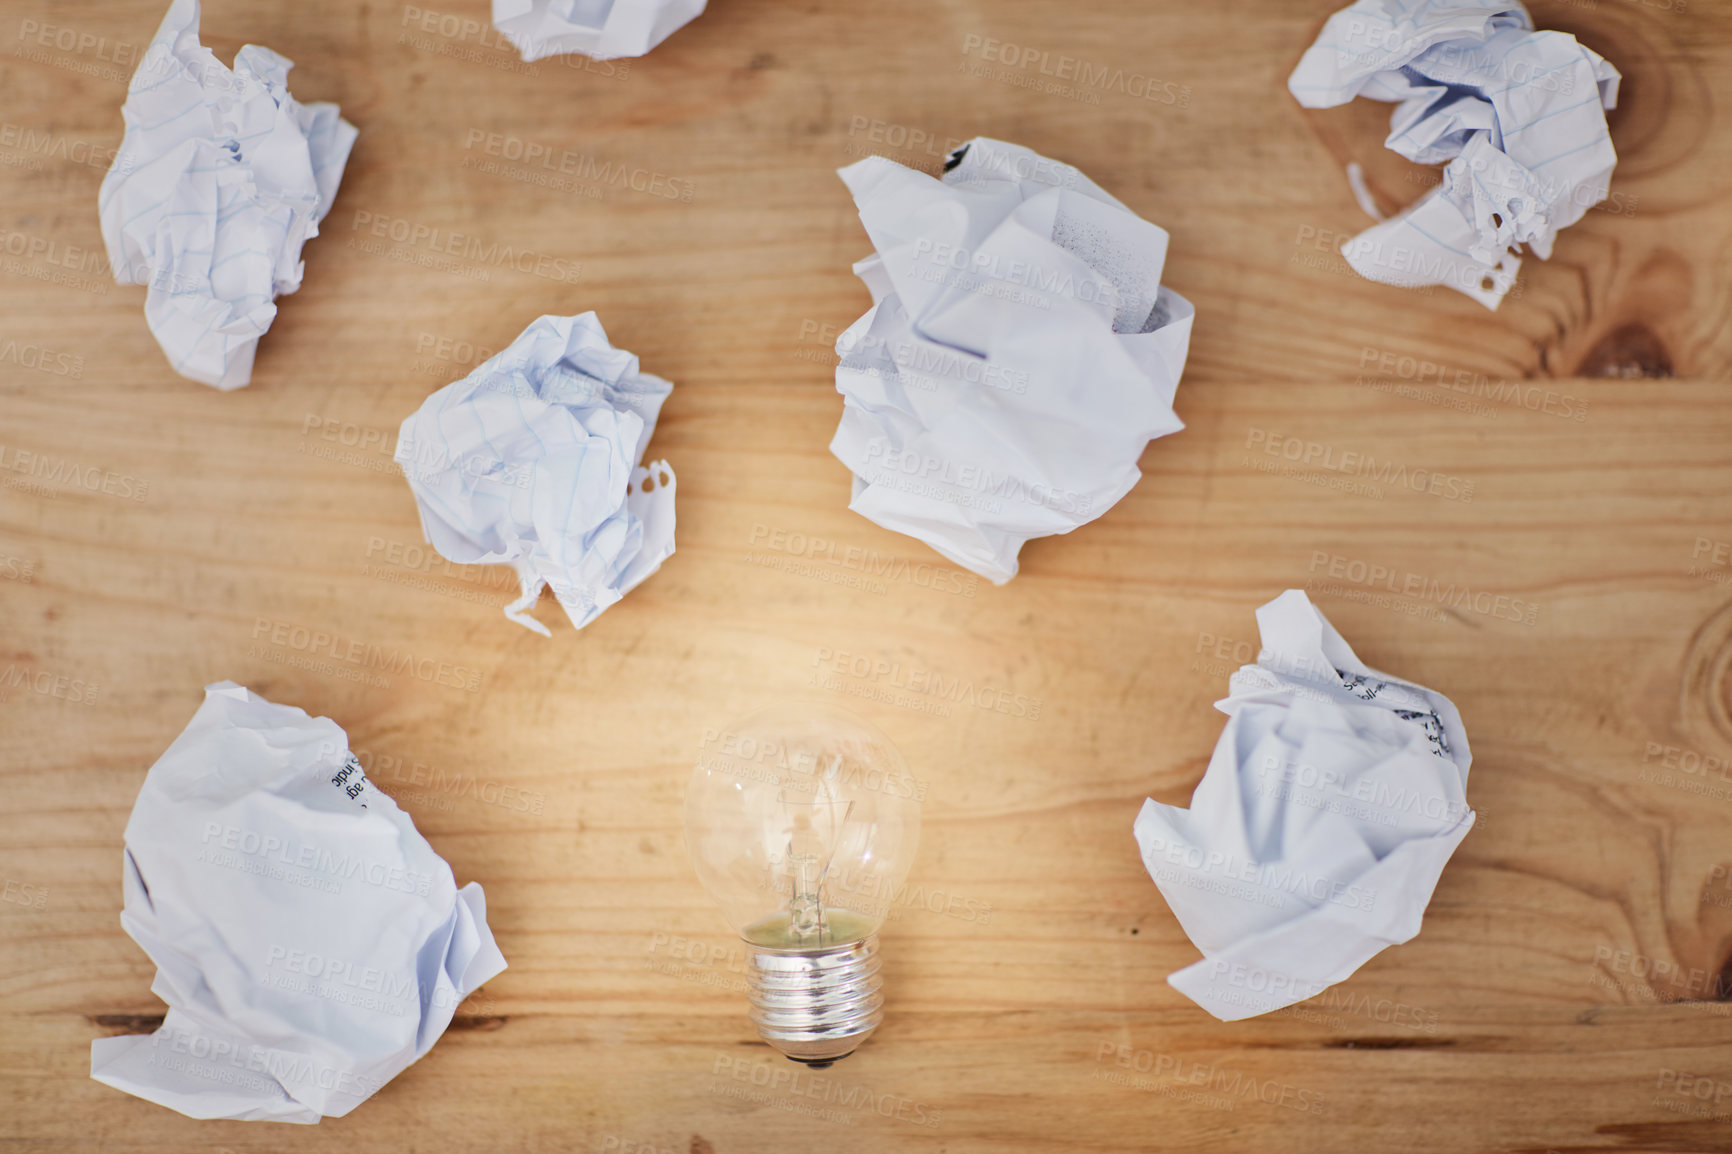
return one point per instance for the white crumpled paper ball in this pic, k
(601, 29)
(220, 180)
(309, 943)
(1019, 355)
(532, 461)
(1517, 116)
(1334, 798)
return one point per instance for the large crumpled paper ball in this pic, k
(533, 460)
(1334, 798)
(220, 180)
(309, 943)
(1519, 116)
(601, 29)
(1019, 355)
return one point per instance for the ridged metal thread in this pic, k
(816, 1006)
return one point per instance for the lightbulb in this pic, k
(802, 822)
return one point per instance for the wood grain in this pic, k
(1565, 988)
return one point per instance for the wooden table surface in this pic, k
(1566, 993)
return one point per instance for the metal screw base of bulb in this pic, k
(816, 1006)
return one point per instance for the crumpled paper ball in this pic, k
(1334, 798)
(532, 460)
(601, 29)
(1518, 115)
(1019, 355)
(309, 943)
(220, 180)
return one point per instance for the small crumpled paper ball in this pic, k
(1334, 798)
(309, 942)
(1019, 355)
(220, 180)
(601, 29)
(1518, 117)
(533, 460)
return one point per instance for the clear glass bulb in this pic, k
(802, 821)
